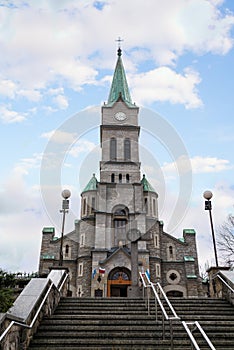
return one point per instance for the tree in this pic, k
(225, 241)
(7, 283)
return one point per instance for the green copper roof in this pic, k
(188, 258)
(189, 231)
(47, 256)
(146, 185)
(48, 230)
(119, 86)
(191, 276)
(92, 185)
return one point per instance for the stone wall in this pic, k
(26, 315)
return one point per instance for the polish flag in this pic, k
(102, 271)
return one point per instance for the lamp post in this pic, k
(65, 206)
(208, 195)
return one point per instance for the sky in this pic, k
(56, 65)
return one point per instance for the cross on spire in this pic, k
(119, 40)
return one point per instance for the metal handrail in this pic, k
(145, 286)
(152, 286)
(224, 282)
(35, 317)
(197, 324)
(168, 302)
(175, 316)
(157, 299)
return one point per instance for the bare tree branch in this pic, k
(225, 241)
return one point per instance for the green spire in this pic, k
(146, 185)
(92, 184)
(119, 86)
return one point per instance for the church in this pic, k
(97, 253)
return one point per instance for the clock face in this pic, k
(120, 116)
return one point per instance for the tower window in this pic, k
(120, 230)
(82, 240)
(156, 241)
(120, 178)
(127, 149)
(80, 269)
(67, 250)
(84, 206)
(146, 206)
(93, 205)
(158, 270)
(113, 149)
(120, 225)
(171, 251)
(154, 207)
(127, 178)
(112, 177)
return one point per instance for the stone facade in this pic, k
(98, 251)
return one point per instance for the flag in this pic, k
(94, 273)
(102, 271)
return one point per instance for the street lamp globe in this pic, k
(208, 195)
(66, 194)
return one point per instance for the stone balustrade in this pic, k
(38, 299)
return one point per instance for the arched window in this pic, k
(120, 212)
(171, 251)
(146, 206)
(127, 178)
(127, 149)
(84, 206)
(67, 250)
(93, 205)
(112, 177)
(120, 225)
(154, 207)
(120, 178)
(113, 149)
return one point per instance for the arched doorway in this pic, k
(118, 281)
(175, 294)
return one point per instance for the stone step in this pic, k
(124, 324)
(80, 327)
(99, 343)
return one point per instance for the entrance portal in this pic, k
(118, 281)
(175, 294)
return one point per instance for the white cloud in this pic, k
(32, 95)
(199, 165)
(56, 91)
(164, 84)
(9, 116)
(59, 136)
(61, 101)
(82, 146)
(7, 88)
(49, 109)
(44, 42)
(209, 164)
(25, 164)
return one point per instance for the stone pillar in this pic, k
(134, 290)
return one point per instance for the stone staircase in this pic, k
(121, 323)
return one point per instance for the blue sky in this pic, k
(56, 65)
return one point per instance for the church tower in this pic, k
(120, 205)
(97, 252)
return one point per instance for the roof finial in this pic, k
(119, 40)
